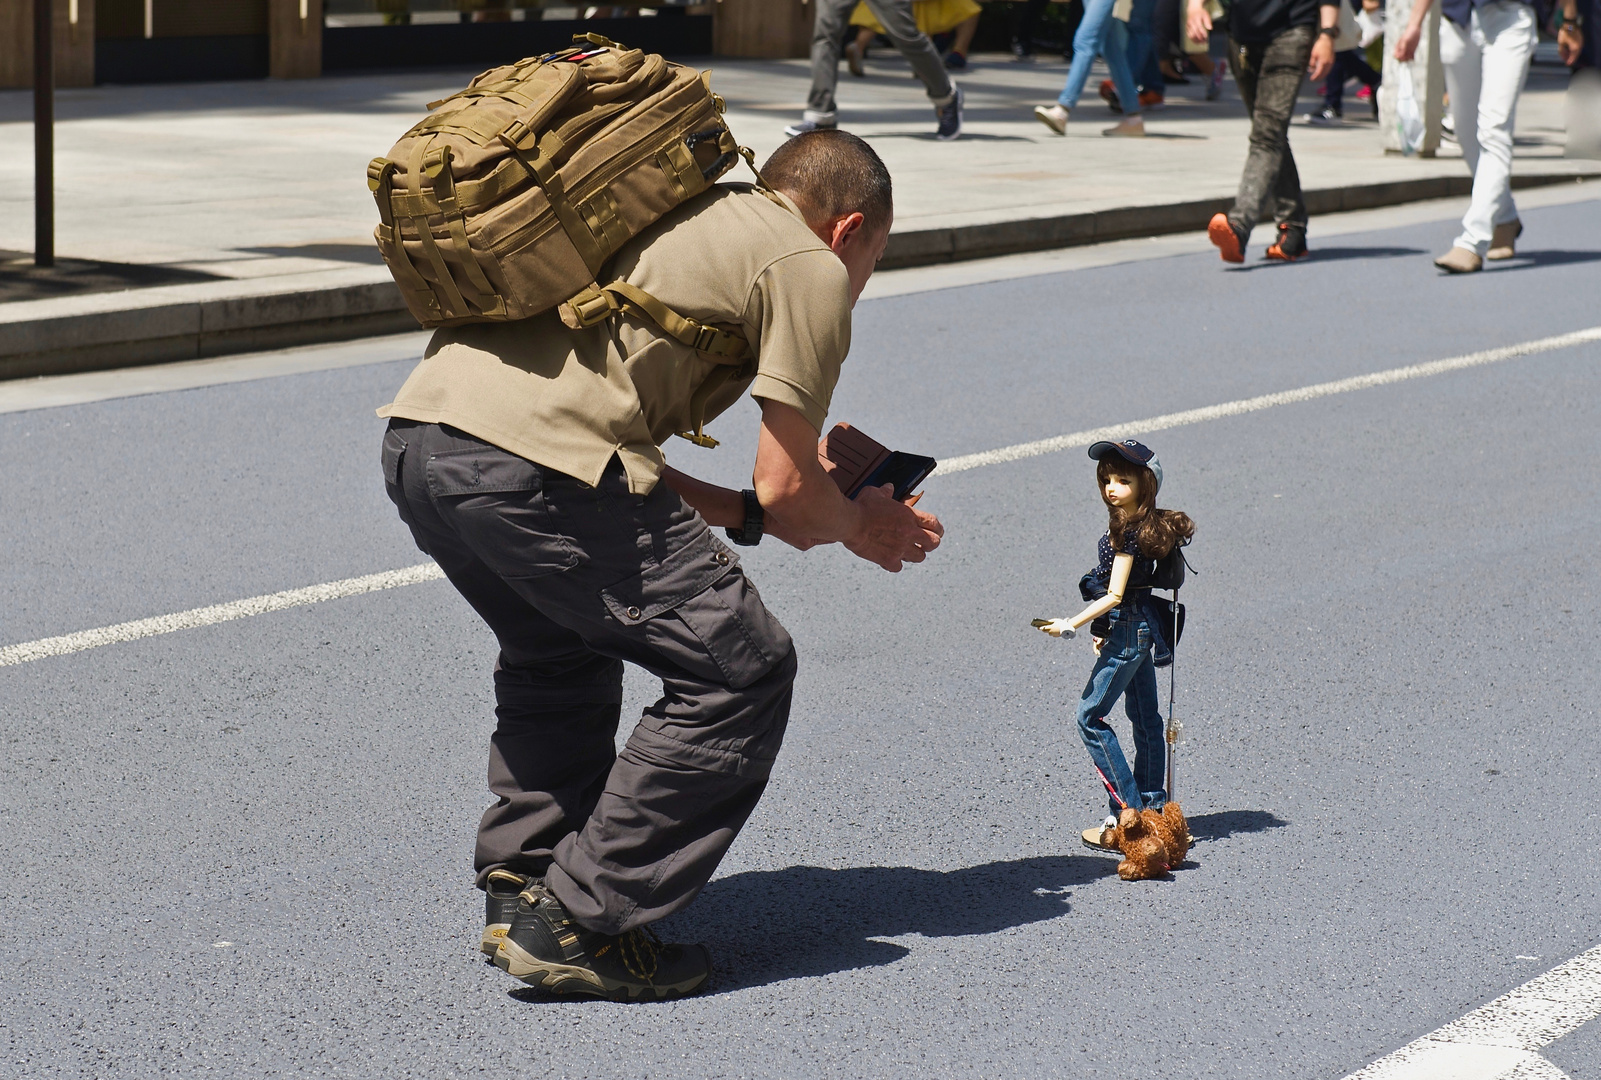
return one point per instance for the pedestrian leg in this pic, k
(1270, 78)
(1489, 63)
(900, 26)
(1087, 42)
(1144, 710)
(828, 27)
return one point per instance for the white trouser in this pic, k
(1485, 65)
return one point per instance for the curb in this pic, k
(192, 322)
(925, 247)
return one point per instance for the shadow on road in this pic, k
(1528, 260)
(1227, 823)
(1336, 254)
(768, 926)
(771, 925)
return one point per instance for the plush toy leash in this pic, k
(1109, 786)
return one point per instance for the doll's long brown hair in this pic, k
(1155, 531)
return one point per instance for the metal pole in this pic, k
(44, 152)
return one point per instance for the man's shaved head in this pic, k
(831, 173)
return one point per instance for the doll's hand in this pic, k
(1059, 628)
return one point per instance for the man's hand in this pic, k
(1570, 42)
(1322, 61)
(1198, 22)
(1406, 45)
(890, 533)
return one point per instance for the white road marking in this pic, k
(1265, 401)
(1503, 1039)
(412, 575)
(216, 613)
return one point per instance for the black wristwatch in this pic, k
(1329, 31)
(750, 534)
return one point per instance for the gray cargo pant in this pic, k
(828, 29)
(1269, 75)
(574, 580)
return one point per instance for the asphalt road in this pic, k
(245, 849)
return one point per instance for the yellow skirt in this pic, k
(933, 16)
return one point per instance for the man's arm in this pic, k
(794, 489)
(1322, 61)
(1406, 46)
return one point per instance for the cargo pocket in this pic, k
(699, 610)
(496, 503)
(393, 454)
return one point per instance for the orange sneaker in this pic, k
(1221, 233)
(1291, 244)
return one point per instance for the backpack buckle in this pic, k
(588, 308)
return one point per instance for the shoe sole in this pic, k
(494, 934)
(569, 981)
(1277, 255)
(1221, 233)
(1101, 848)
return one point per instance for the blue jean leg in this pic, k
(1144, 711)
(1091, 39)
(1141, 41)
(1117, 670)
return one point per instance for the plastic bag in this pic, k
(1371, 25)
(1408, 117)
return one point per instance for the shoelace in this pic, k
(640, 950)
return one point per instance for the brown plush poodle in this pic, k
(1151, 843)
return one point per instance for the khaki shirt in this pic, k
(570, 399)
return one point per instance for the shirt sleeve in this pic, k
(800, 308)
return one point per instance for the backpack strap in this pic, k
(729, 350)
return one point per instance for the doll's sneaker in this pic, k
(500, 901)
(1230, 244)
(546, 949)
(1291, 244)
(1098, 838)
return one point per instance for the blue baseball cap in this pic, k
(1129, 450)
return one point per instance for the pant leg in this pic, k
(1334, 85)
(628, 578)
(1270, 78)
(1140, 53)
(1144, 710)
(1503, 35)
(828, 28)
(1115, 48)
(1114, 669)
(900, 26)
(1087, 42)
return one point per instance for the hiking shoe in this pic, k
(547, 950)
(1230, 244)
(500, 900)
(1459, 260)
(1324, 117)
(853, 60)
(1291, 244)
(949, 116)
(1503, 240)
(1096, 839)
(955, 61)
(1054, 117)
(801, 127)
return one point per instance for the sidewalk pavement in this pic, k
(262, 186)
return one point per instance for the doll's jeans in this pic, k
(1125, 668)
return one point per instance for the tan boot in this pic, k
(1459, 260)
(1130, 127)
(1501, 241)
(1054, 117)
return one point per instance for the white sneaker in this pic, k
(1054, 117)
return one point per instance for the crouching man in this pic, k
(525, 458)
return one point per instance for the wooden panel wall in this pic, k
(296, 42)
(74, 46)
(765, 29)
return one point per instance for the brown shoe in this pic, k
(1459, 260)
(1502, 239)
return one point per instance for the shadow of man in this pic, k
(768, 926)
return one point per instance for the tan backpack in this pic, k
(510, 196)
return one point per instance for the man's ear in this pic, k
(844, 229)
